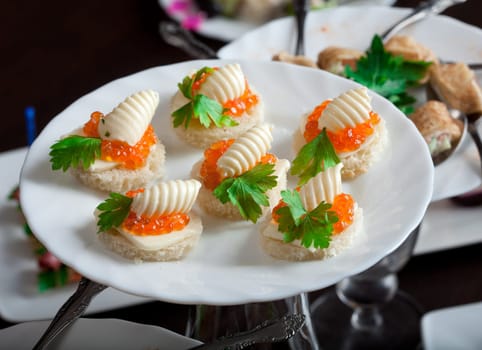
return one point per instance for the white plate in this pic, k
(228, 29)
(354, 27)
(228, 265)
(19, 299)
(96, 334)
(454, 328)
(447, 225)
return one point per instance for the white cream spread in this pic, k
(325, 186)
(224, 84)
(130, 119)
(156, 242)
(347, 110)
(175, 196)
(246, 151)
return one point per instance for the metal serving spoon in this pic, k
(422, 11)
(72, 309)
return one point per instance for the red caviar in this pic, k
(133, 193)
(197, 84)
(130, 157)
(155, 225)
(240, 105)
(311, 127)
(209, 173)
(209, 169)
(343, 205)
(344, 140)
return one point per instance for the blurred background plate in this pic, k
(20, 299)
(354, 27)
(96, 334)
(224, 28)
(454, 328)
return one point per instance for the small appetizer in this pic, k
(410, 50)
(241, 180)
(357, 133)
(457, 85)
(214, 104)
(437, 127)
(115, 152)
(334, 59)
(155, 223)
(51, 273)
(283, 56)
(317, 220)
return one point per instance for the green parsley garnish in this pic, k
(248, 191)
(314, 157)
(201, 107)
(74, 151)
(113, 210)
(388, 75)
(313, 228)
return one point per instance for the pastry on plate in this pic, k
(357, 133)
(437, 126)
(411, 50)
(214, 104)
(299, 60)
(457, 85)
(316, 220)
(240, 179)
(117, 151)
(334, 59)
(155, 223)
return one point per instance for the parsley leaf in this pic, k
(313, 228)
(200, 106)
(248, 191)
(209, 111)
(314, 157)
(388, 75)
(74, 151)
(113, 210)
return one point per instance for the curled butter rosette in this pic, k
(117, 151)
(240, 179)
(155, 223)
(357, 133)
(213, 104)
(316, 220)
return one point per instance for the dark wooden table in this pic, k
(54, 52)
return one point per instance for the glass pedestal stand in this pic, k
(367, 311)
(208, 322)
